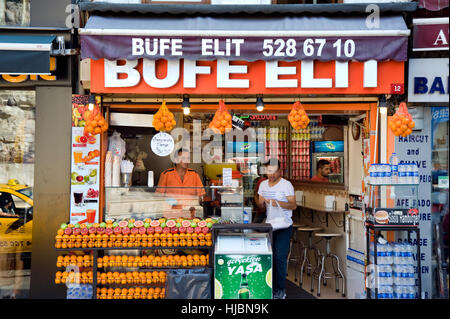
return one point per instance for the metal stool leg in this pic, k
(336, 274)
(305, 259)
(297, 259)
(341, 275)
(321, 274)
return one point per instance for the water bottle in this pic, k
(416, 174)
(410, 275)
(378, 174)
(396, 291)
(409, 174)
(372, 174)
(409, 254)
(381, 254)
(389, 292)
(380, 292)
(412, 292)
(383, 174)
(397, 254)
(389, 254)
(246, 217)
(388, 174)
(387, 270)
(393, 161)
(402, 174)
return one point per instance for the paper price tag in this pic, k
(227, 176)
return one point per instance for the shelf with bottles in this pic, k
(387, 174)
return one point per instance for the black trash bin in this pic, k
(189, 283)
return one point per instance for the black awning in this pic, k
(25, 54)
(252, 38)
(286, 9)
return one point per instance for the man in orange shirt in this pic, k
(322, 172)
(180, 179)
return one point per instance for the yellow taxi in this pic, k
(16, 215)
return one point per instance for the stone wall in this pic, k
(15, 12)
(17, 135)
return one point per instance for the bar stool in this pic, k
(306, 249)
(321, 273)
(294, 254)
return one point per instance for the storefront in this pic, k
(193, 64)
(36, 76)
(428, 145)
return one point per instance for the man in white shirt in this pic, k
(272, 191)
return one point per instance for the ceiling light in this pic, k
(91, 102)
(259, 104)
(186, 106)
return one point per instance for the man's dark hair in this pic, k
(273, 162)
(322, 163)
(182, 150)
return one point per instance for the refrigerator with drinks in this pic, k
(243, 266)
(332, 151)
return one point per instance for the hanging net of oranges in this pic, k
(298, 117)
(163, 120)
(95, 122)
(402, 122)
(221, 120)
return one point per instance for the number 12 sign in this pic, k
(397, 88)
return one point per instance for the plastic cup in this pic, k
(90, 215)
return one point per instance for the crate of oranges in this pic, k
(152, 261)
(132, 233)
(402, 122)
(74, 260)
(132, 278)
(73, 277)
(131, 293)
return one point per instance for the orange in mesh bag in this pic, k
(163, 120)
(95, 122)
(298, 117)
(221, 120)
(402, 123)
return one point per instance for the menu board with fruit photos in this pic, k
(85, 168)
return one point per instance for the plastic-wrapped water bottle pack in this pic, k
(82, 291)
(395, 270)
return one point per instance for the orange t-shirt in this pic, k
(319, 179)
(170, 178)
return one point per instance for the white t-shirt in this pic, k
(279, 192)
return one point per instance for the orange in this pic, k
(411, 124)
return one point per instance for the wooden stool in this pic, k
(295, 255)
(307, 248)
(321, 273)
